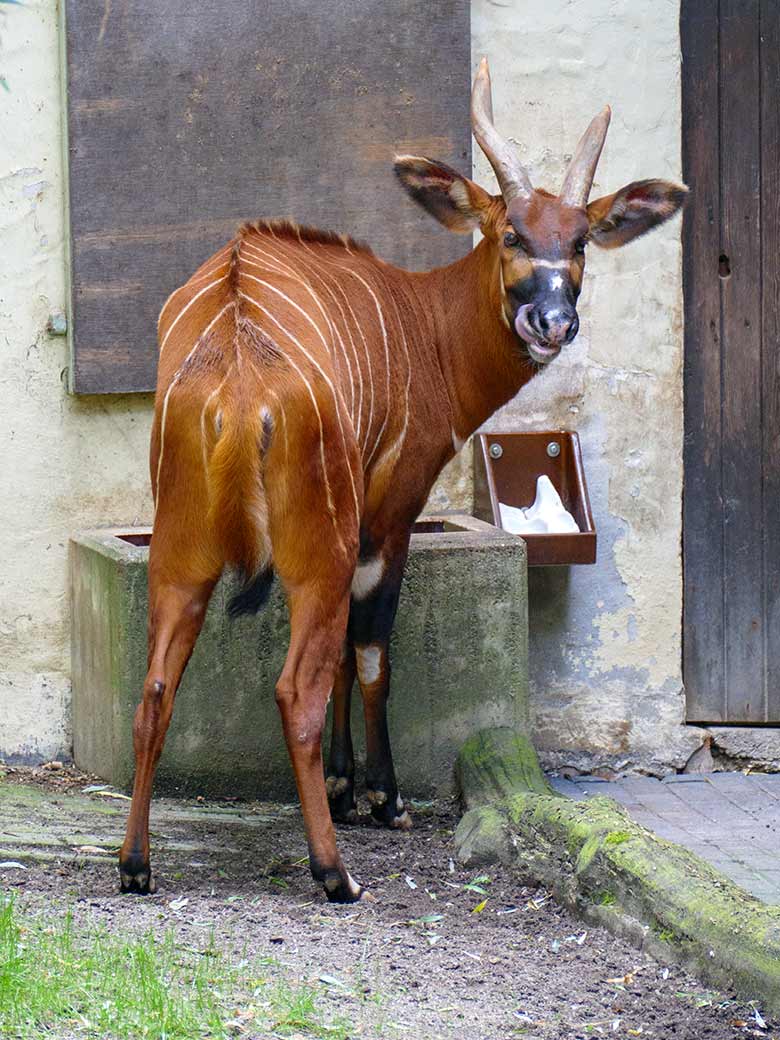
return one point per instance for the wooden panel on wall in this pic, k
(185, 119)
(731, 155)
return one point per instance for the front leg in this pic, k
(340, 781)
(373, 668)
(370, 625)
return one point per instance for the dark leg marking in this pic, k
(370, 624)
(340, 777)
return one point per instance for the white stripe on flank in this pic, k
(401, 438)
(352, 345)
(354, 274)
(186, 307)
(367, 353)
(256, 251)
(198, 342)
(283, 268)
(308, 249)
(328, 493)
(363, 446)
(196, 279)
(313, 361)
(322, 256)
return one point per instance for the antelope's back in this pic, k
(304, 313)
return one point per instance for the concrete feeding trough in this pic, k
(507, 467)
(459, 651)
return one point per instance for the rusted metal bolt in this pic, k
(57, 324)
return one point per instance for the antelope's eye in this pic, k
(580, 246)
(511, 239)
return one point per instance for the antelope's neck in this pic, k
(479, 356)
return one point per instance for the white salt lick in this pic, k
(547, 515)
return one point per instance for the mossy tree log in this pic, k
(599, 862)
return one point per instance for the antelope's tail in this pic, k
(238, 507)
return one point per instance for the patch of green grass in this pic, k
(60, 980)
(296, 1011)
(606, 899)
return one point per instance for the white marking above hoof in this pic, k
(369, 663)
(367, 577)
(402, 822)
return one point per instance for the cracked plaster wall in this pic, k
(605, 640)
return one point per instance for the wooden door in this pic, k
(731, 540)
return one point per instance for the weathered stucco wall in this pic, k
(605, 640)
(606, 684)
(66, 463)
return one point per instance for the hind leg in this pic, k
(318, 622)
(314, 494)
(177, 609)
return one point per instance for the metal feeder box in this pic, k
(506, 468)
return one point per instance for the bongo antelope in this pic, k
(308, 396)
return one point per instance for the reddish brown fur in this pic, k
(308, 396)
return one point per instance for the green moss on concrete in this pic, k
(660, 894)
(588, 852)
(495, 763)
(616, 838)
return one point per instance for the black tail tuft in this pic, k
(253, 595)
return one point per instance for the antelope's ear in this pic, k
(632, 211)
(456, 202)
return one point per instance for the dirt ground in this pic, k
(439, 954)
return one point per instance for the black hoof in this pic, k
(339, 886)
(341, 798)
(341, 889)
(136, 877)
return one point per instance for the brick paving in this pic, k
(732, 820)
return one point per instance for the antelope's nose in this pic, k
(555, 326)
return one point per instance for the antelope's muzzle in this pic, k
(546, 329)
